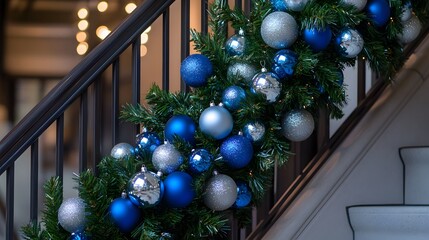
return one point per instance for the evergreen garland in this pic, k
(314, 71)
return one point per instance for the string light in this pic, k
(102, 6)
(83, 25)
(129, 8)
(81, 36)
(102, 32)
(82, 13)
(82, 48)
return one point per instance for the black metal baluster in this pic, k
(239, 4)
(185, 38)
(115, 101)
(247, 7)
(97, 123)
(204, 16)
(59, 155)
(10, 191)
(83, 129)
(136, 75)
(361, 78)
(166, 50)
(34, 184)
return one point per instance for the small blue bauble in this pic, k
(147, 142)
(279, 5)
(236, 45)
(195, 70)
(244, 195)
(178, 190)
(254, 131)
(378, 11)
(284, 63)
(237, 151)
(200, 161)
(216, 122)
(233, 97)
(122, 150)
(318, 39)
(78, 236)
(124, 214)
(181, 126)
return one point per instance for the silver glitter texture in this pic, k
(279, 30)
(220, 193)
(267, 83)
(350, 43)
(145, 189)
(407, 12)
(295, 5)
(71, 214)
(411, 30)
(244, 70)
(254, 131)
(166, 158)
(122, 150)
(297, 125)
(359, 4)
(216, 121)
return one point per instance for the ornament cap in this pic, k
(241, 32)
(215, 173)
(159, 174)
(212, 104)
(240, 133)
(124, 195)
(220, 104)
(143, 169)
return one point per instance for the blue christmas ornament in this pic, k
(244, 195)
(236, 45)
(237, 151)
(147, 142)
(182, 126)
(216, 122)
(318, 39)
(279, 5)
(195, 70)
(124, 214)
(178, 190)
(200, 161)
(78, 236)
(233, 97)
(378, 11)
(284, 63)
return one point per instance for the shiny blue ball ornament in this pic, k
(178, 190)
(318, 39)
(284, 63)
(216, 122)
(233, 97)
(244, 195)
(195, 70)
(378, 11)
(147, 142)
(279, 5)
(78, 236)
(237, 151)
(200, 161)
(181, 126)
(236, 45)
(124, 214)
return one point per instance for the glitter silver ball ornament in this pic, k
(145, 189)
(71, 215)
(216, 122)
(279, 30)
(220, 193)
(166, 158)
(122, 150)
(349, 43)
(267, 83)
(297, 125)
(410, 31)
(359, 4)
(407, 12)
(254, 131)
(295, 5)
(243, 70)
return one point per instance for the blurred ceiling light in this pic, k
(82, 48)
(148, 29)
(102, 32)
(102, 6)
(81, 36)
(143, 50)
(144, 38)
(82, 13)
(82, 25)
(129, 8)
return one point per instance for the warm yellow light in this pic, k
(82, 48)
(83, 25)
(102, 32)
(144, 38)
(148, 29)
(82, 13)
(81, 36)
(102, 6)
(129, 8)
(143, 50)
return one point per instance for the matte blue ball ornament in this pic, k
(145, 188)
(268, 84)
(279, 30)
(244, 195)
(284, 63)
(181, 126)
(378, 11)
(178, 190)
(78, 236)
(122, 150)
(200, 161)
(196, 69)
(147, 142)
(318, 39)
(279, 5)
(349, 43)
(233, 97)
(124, 214)
(236, 45)
(236, 151)
(254, 131)
(216, 122)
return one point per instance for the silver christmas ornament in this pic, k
(122, 150)
(359, 4)
(295, 5)
(216, 122)
(279, 30)
(220, 192)
(166, 158)
(268, 84)
(71, 215)
(349, 43)
(407, 12)
(254, 131)
(243, 70)
(410, 31)
(145, 188)
(297, 125)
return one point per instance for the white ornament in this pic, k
(411, 30)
